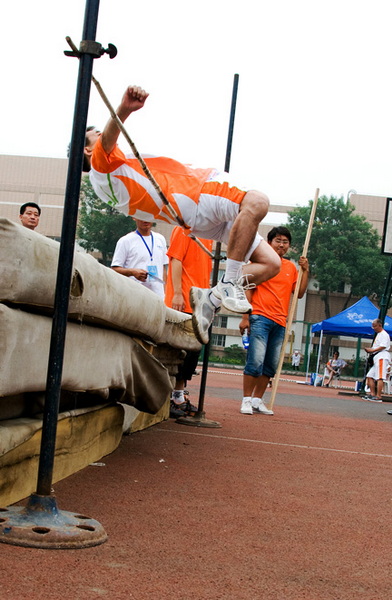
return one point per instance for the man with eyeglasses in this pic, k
(266, 325)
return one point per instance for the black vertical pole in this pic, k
(64, 270)
(231, 123)
(206, 354)
(385, 298)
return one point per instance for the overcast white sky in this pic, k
(314, 98)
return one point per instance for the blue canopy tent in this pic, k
(355, 321)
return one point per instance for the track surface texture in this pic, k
(295, 506)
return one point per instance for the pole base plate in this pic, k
(41, 525)
(198, 420)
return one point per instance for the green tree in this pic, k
(344, 248)
(100, 225)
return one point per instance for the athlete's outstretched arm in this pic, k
(132, 100)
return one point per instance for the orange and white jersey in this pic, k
(120, 181)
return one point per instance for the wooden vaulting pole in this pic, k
(293, 302)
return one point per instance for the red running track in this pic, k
(289, 507)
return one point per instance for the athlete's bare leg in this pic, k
(253, 209)
(266, 262)
(229, 291)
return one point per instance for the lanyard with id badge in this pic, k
(151, 268)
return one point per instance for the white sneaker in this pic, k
(246, 407)
(232, 295)
(203, 312)
(260, 407)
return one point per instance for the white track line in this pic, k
(240, 374)
(235, 439)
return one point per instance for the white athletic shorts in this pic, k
(379, 369)
(218, 207)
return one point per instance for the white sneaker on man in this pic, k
(203, 312)
(258, 406)
(246, 406)
(232, 295)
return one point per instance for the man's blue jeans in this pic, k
(265, 343)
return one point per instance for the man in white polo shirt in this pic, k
(142, 256)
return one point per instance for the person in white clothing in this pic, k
(381, 358)
(333, 368)
(296, 359)
(142, 256)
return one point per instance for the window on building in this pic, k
(218, 340)
(220, 321)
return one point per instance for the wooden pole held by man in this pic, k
(293, 303)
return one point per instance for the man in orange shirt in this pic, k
(267, 323)
(189, 265)
(209, 206)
